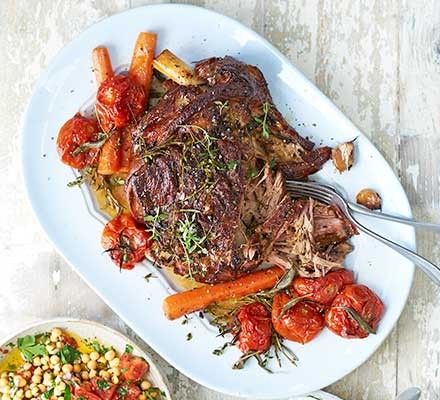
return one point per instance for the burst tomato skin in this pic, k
(118, 101)
(323, 290)
(301, 323)
(255, 328)
(75, 132)
(123, 232)
(134, 368)
(362, 300)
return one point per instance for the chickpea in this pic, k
(92, 373)
(76, 368)
(60, 397)
(59, 345)
(85, 358)
(4, 382)
(114, 363)
(42, 387)
(45, 367)
(57, 392)
(104, 374)
(67, 368)
(54, 360)
(19, 393)
(142, 397)
(6, 397)
(94, 355)
(110, 355)
(28, 394)
(45, 360)
(92, 364)
(36, 379)
(145, 385)
(27, 366)
(55, 334)
(85, 375)
(37, 361)
(102, 360)
(115, 371)
(32, 385)
(62, 386)
(50, 348)
(38, 371)
(115, 379)
(19, 381)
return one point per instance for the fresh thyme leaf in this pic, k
(29, 348)
(77, 182)
(265, 132)
(232, 165)
(189, 336)
(101, 139)
(148, 276)
(221, 105)
(239, 364)
(128, 348)
(154, 221)
(186, 319)
(116, 181)
(353, 314)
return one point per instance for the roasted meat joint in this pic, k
(208, 181)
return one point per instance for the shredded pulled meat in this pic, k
(208, 181)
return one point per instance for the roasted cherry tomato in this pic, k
(364, 302)
(118, 101)
(301, 323)
(128, 391)
(85, 391)
(102, 388)
(323, 290)
(255, 328)
(73, 134)
(125, 241)
(134, 368)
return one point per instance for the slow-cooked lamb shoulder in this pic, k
(208, 180)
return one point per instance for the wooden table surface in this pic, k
(379, 61)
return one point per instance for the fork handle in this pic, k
(430, 269)
(388, 217)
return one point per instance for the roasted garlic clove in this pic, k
(369, 198)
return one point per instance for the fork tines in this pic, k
(309, 189)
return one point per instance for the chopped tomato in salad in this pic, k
(133, 368)
(125, 242)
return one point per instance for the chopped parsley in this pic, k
(128, 348)
(68, 354)
(123, 392)
(102, 385)
(77, 182)
(67, 393)
(48, 394)
(29, 348)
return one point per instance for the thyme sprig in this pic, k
(154, 221)
(124, 247)
(265, 131)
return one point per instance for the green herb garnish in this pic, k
(67, 393)
(128, 348)
(77, 182)
(189, 336)
(265, 132)
(154, 221)
(101, 139)
(154, 393)
(354, 315)
(68, 354)
(29, 347)
(102, 385)
(48, 394)
(123, 392)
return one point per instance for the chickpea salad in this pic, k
(59, 365)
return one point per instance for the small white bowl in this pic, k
(90, 330)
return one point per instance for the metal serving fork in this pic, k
(329, 195)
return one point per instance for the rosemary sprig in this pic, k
(265, 132)
(124, 247)
(101, 137)
(354, 315)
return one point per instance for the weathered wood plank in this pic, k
(419, 327)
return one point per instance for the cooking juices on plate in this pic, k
(191, 164)
(59, 365)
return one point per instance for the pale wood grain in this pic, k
(419, 328)
(379, 61)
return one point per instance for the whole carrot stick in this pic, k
(179, 304)
(102, 64)
(110, 157)
(141, 68)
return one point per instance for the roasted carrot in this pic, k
(126, 150)
(179, 304)
(110, 157)
(141, 68)
(102, 64)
